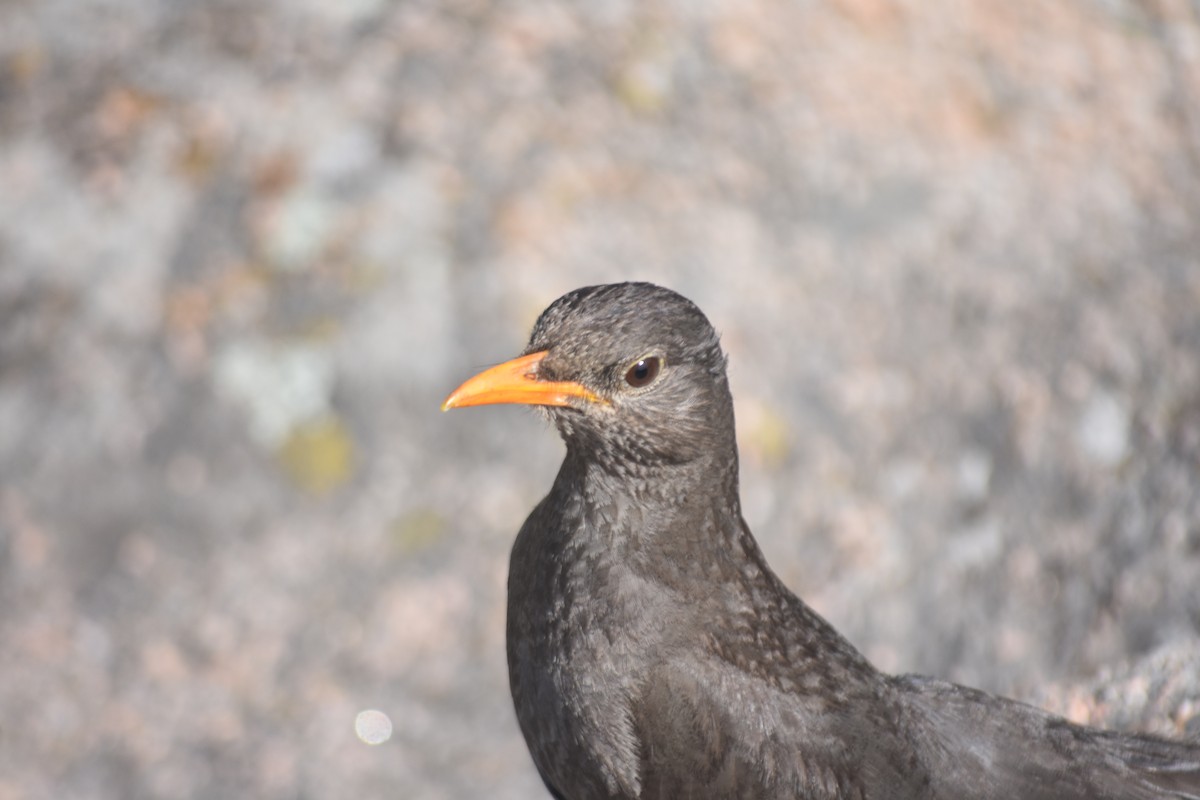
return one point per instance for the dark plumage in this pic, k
(652, 653)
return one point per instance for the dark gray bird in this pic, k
(652, 653)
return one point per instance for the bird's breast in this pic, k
(583, 630)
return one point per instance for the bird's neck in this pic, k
(658, 512)
(679, 528)
(661, 487)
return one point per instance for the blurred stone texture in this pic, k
(247, 248)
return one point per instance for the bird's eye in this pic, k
(643, 372)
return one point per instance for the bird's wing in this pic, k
(981, 746)
(1172, 767)
(715, 733)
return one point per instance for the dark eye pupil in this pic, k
(643, 372)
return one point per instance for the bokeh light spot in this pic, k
(373, 727)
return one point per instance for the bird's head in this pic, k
(632, 374)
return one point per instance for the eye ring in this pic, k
(643, 372)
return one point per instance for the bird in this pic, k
(653, 653)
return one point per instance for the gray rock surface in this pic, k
(246, 250)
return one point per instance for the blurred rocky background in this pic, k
(247, 248)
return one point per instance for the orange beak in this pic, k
(516, 381)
